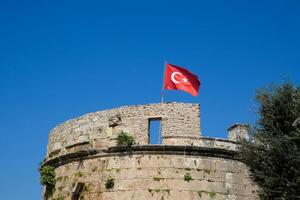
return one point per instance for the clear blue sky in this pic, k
(62, 59)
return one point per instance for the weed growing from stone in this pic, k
(199, 194)
(212, 195)
(188, 177)
(47, 176)
(60, 198)
(110, 183)
(79, 174)
(124, 139)
(157, 178)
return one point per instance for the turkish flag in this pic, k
(178, 78)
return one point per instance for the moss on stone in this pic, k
(157, 178)
(79, 174)
(212, 194)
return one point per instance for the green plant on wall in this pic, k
(212, 195)
(47, 178)
(110, 183)
(60, 198)
(124, 139)
(79, 174)
(188, 177)
(199, 193)
(157, 178)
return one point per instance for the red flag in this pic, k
(178, 78)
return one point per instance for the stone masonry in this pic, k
(185, 166)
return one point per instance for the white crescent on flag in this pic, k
(173, 77)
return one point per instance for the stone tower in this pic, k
(186, 166)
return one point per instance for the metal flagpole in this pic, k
(162, 101)
(162, 89)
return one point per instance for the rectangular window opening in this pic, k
(154, 131)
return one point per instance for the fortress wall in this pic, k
(83, 151)
(99, 129)
(157, 177)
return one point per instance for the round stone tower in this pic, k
(90, 165)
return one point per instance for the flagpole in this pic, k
(162, 89)
(162, 101)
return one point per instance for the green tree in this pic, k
(273, 154)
